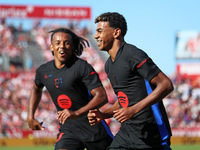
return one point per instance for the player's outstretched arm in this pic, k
(34, 100)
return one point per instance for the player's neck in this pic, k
(113, 51)
(59, 64)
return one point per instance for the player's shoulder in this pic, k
(45, 66)
(132, 50)
(78, 64)
(82, 62)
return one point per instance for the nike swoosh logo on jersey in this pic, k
(47, 76)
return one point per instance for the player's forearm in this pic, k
(161, 91)
(95, 103)
(163, 88)
(108, 113)
(99, 99)
(34, 100)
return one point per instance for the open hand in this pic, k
(123, 114)
(65, 114)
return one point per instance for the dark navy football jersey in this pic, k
(129, 75)
(70, 89)
(69, 85)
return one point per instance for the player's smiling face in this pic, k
(104, 36)
(62, 45)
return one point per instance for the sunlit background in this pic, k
(169, 32)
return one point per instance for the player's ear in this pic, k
(117, 32)
(51, 47)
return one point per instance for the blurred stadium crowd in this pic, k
(19, 59)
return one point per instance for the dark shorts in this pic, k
(128, 138)
(71, 142)
(121, 143)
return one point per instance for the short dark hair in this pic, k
(115, 20)
(79, 42)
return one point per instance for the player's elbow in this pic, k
(168, 86)
(104, 99)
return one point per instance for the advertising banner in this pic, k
(49, 12)
(191, 69)
(187, 45)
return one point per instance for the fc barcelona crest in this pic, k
(58, 82)
(115, 79)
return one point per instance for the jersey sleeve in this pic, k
(143, 64)
(89, 76)
(38, 81)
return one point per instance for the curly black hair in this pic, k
(79, 42)
(115, 20)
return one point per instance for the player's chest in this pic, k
(59, 79)
(119, 73)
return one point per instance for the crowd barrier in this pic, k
(14, 142)
(180, 136)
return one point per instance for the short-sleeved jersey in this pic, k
(70, 88)
(129, 75)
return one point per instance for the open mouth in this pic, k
(62, 52)
(99, 42)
